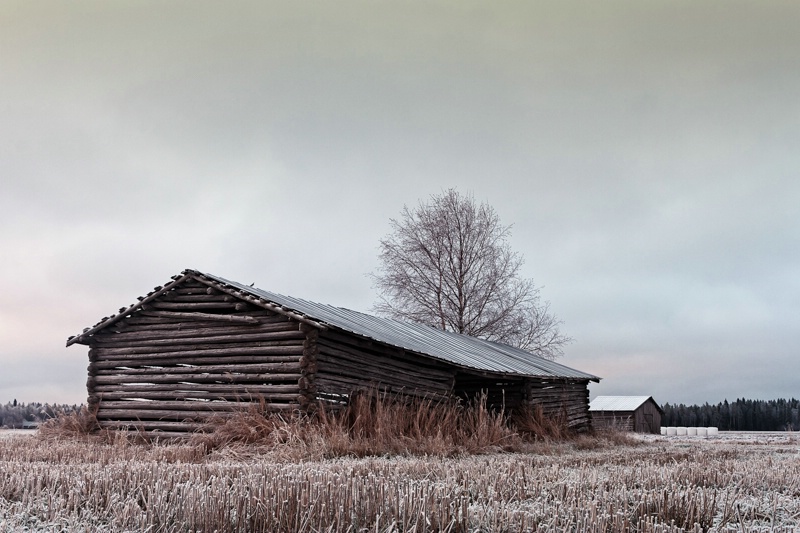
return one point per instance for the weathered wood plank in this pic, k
(200, 391)
(364, 375)
(224, 360)
(236, 395)
(190, 306)
(176, 405)
(277, 347)
(211, 351)
(189, 290)
(190, 331)
(262, 303)
(330, 352)
(191, 298)
(200, 378)
(388, 375)
(151, 323)
(339, 384)
(146, 415)
(256, 368)
(158, 414)
(368, 348)
(168, 436)
(245, 388)
(194, 343)
(133, 425)
(186, 340)
(243, 319)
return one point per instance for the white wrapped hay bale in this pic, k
(671, 431)
(681, 431)
(692, 432)
(702, 432)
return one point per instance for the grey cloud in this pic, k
(645, 153)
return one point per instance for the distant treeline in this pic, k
(16, 415)
(741, 415)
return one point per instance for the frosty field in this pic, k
(732, 483)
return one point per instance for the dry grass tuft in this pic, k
(80, 423)
(533, 424)
(605, 438)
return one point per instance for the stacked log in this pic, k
(562, 398)
(500, 392)
(192, 355)
(308, 368)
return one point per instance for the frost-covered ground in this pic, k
(728, 437)
(16, 432)
(733, 482)
(765, 442)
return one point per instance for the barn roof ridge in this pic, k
(454, 348)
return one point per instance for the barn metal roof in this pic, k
(462, 350)
(618, 403)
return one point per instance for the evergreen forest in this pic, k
(15, 415)
(740, 415)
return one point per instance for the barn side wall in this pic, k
(563, 399)
(560, 399)
(347, 363)
(190, 355)
(504, 393)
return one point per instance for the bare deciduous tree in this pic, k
(448, 264)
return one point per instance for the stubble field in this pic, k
(731, 483)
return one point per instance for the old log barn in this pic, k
(201, 346)
(629, 413)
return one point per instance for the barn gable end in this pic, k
(192, 352)
(202, 346)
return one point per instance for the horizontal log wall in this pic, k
(558, 398)
(346, 364)
(193, 355)
(562, 398)
(501, 393)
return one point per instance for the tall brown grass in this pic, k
(372, 424)
(380, 424)
(75, 424)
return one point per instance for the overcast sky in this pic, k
(646, 153)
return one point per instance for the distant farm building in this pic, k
(629, 413)
(202, 346)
